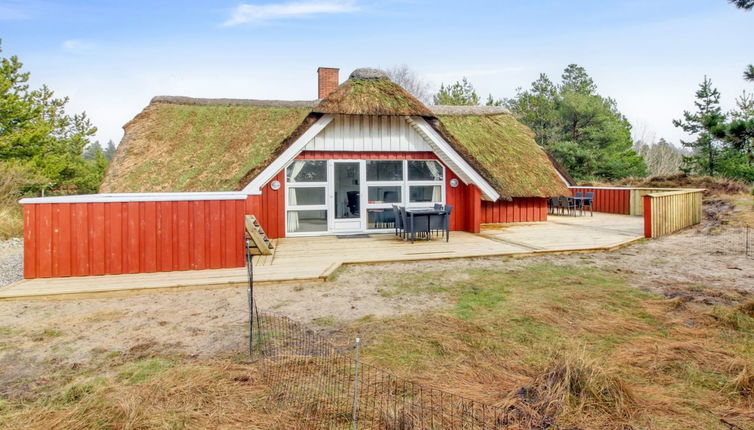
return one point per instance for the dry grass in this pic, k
(504, 150)
(371, 97)
(567, 346)
(185, 394)
(175, 147)
(11, 221)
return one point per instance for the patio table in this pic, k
(428, 212)
(580, 201)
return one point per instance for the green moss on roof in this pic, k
(371, 97)
(183, 147)
(506, 154)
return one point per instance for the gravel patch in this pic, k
(11, 261)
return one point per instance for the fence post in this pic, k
(355, 419)
(250, 294)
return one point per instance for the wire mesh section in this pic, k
(731, 241)
(327, 384)
(329, 387)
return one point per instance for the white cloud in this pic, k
(77, 45)
(246, 13)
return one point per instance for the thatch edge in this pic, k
(310, 120)
(182, 100)
(332, 105)
(447, 110)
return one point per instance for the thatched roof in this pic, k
(196, 145)
(504, 152)
(370, 92)
(190, 144)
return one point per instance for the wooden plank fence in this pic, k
(667, 212)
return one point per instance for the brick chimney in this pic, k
(327, 81)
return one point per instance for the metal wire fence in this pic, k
(731, 241)
(330, 387)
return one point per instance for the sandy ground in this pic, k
(702, 268)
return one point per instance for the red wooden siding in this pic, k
(647, 217)
(80, 239)
(269, 208)
(609, 200)
(529, 209)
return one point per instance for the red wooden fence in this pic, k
(115, 237)
(609, 200)
(527, 209)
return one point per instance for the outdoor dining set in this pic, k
(571, 205)
(411, 223)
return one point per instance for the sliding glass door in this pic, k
(352, 196)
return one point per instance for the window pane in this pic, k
(305, 221)
(307, 171)
(384, 170)
(306, 196)
(424, 171)
(425, 194)
(380, 218)
(387, 194)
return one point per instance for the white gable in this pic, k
(368, 133)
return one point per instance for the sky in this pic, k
(111, 58)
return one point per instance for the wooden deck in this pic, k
(315, 258)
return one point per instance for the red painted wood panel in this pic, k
(113, 238)
(61, 240)
(80, 239)
(608, 200)
(80, 249)
(529, 209)
(30, 241)
(647, 217)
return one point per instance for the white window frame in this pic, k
(404, 184)
(291, 208)
(410, 183)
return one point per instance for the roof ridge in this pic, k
(232, 102)
(468, 110)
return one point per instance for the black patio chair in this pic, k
(568, 205)
(399, 226)
(420, 226)
(448, 211)
(588, 201)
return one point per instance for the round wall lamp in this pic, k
(275, 185)
(454, 182)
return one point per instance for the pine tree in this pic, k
(110, 150)
(746, 5)
(707, 124)
(576, 79)
(461, 93)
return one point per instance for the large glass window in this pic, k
(384, 170)
(425, 194)
(306, 196)
(307, 221)
(307, 171)
(384, 194)
(424, 170)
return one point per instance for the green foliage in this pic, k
(743, 4)
(707, 124)
(722, 147)
(461, 93)
(36, 133)
(583, 130)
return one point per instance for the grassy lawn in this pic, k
(572, 345)
(563, 346)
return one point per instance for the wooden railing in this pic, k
(620, 200)
(667, 212)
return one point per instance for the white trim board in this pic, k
(453, 159)
(136, 197)
(269, 172)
